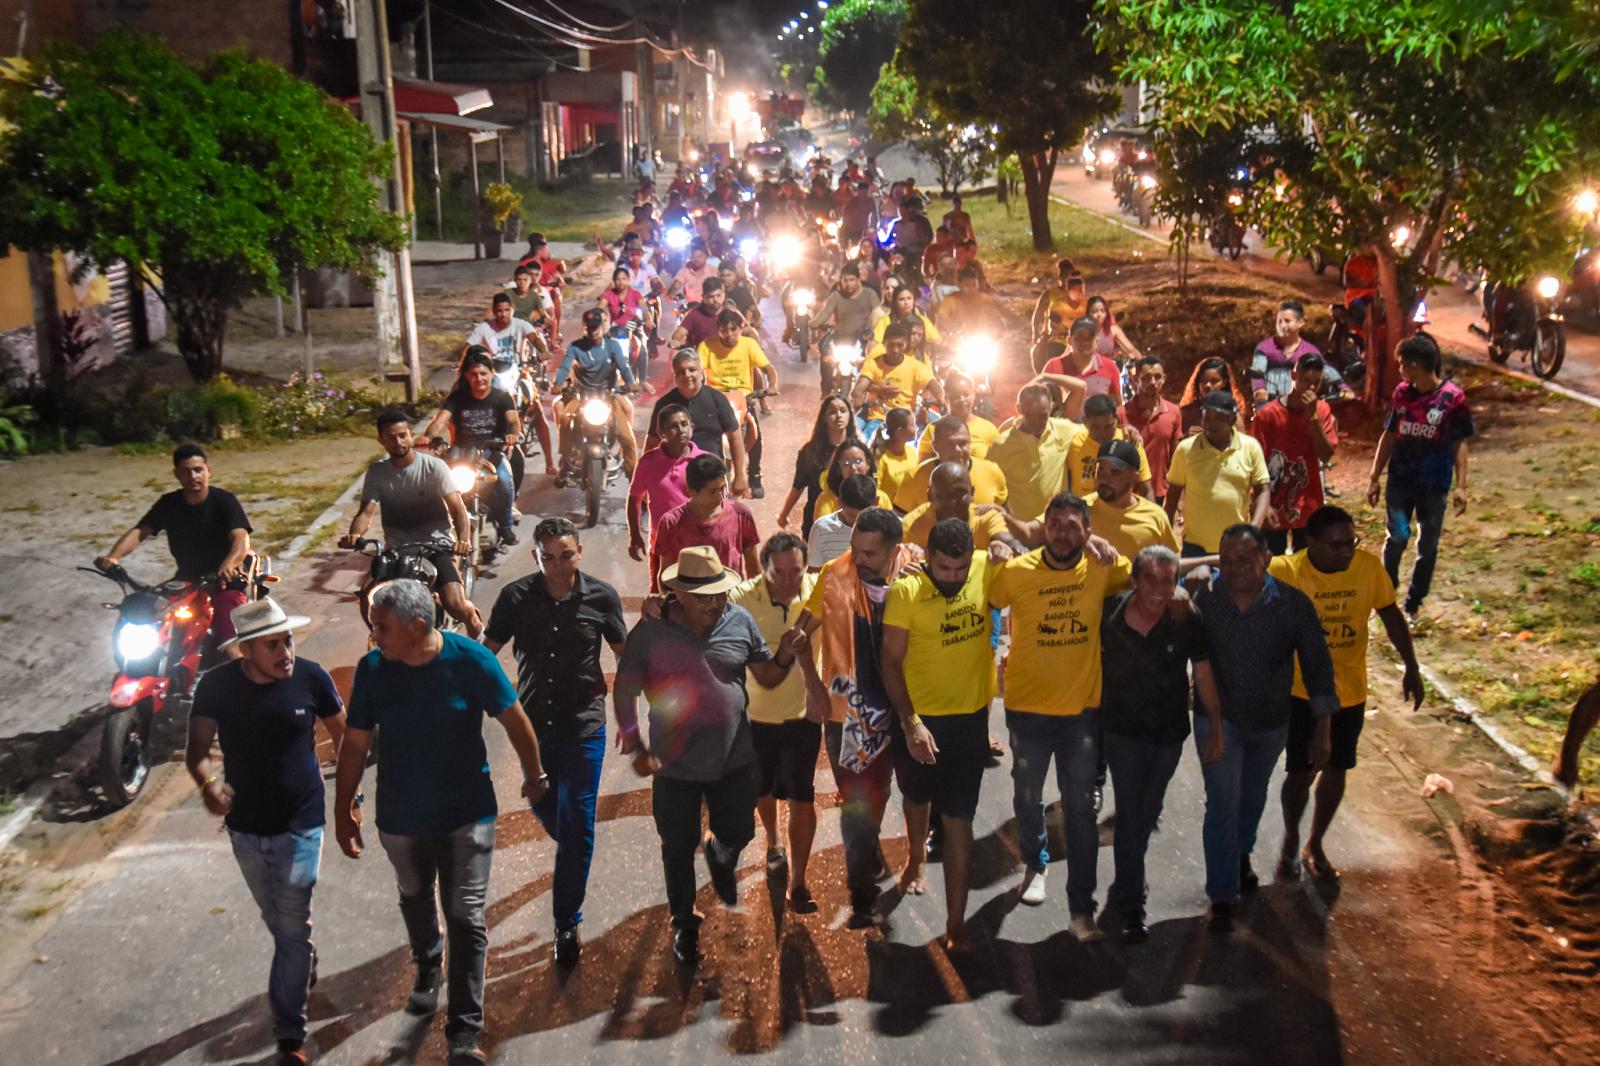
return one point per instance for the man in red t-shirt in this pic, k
(1297, 433)
(709, 517)
(1158, 420)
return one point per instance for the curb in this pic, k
(1469, 710)
(1146, 234)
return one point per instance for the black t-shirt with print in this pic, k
(480, 422)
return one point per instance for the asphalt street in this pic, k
(162, 957)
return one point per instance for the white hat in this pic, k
(262, 618)
(699, 570)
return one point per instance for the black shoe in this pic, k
(1134, 931)
(464, 1051)
(1248, 881)
(686, 946)
(508, 535)
(723, 877)
(568, 947)
(800, 901)
(291, 1053)
(1221, 918)
(425, 992)
(756, 491)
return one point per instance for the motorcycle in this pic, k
(805, 301)
(1523, 318)
(841, 365)
(525, 380)
(473, 474)
(976, 356)
(161, 642)
(593, 460)
(1226, 235)
(414, 561)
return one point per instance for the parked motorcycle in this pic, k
(1523, 318)
(161, 642)
(593, 460)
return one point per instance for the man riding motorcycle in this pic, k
(732, 361)
(207, 533)
(419, 504)
(482, 416)
(596, 361)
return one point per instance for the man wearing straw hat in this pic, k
(690, 665)
(263, 706)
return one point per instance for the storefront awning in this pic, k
(439, 97)
(479, 129)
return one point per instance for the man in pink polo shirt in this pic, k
(658, 484)
(708, 517)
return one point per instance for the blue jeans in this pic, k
(1140, 773)
(505, 495)
(567, 813)
(458, 862)
(1403, 501)
(1074, 744)
(1236, 794)
(281, 871)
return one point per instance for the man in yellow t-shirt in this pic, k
(1345, 586)
(938, 669)
(892, 379)
(1118, 513)
(1100, 425)
(1053, 683)
(950, 496)
(731, 359)
(786, 743)
(1032, 452)
(952, 444)
(961, 394)
(1218, 477)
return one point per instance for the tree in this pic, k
(1195, 175)
(1466, 125)
(1026, 69)
(858, 38)
(216, 182)
(958, 153)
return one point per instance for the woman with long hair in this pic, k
(835, 425)
(1210, 374)
(850, 458)
(1109, 340)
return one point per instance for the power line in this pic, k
(589, 25)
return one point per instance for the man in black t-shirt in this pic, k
(557, 619)
(263, 708)
(712, 413)
(207, 533)
(483, 416)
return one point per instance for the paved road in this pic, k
(161, 957)
(1451, 309)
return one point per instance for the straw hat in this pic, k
(699, 570)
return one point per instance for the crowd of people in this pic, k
(1121, 571)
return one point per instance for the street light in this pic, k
(1587, 202)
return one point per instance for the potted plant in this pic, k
(503, 208)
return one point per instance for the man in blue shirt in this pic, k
(596, 361)
(263, 707)
(1256, 626)
(426, 691)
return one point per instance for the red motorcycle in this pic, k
(161, 644)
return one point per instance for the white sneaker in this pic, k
(1033, 888)
(1085, 930)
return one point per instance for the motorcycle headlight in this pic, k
(1147, 181)
(724, 222)
(1142, 154)
(845, 357)
(804, 300)
(463, 477)
(977, 355)
(833, 229)
(1587, 202)
(138, 641)
(1549, 286)
(694, 155)
(1107, 157)
(507, 380)
(1235, 200)
(677, 238)
(785, 251)
(596, 412)
(749, 248)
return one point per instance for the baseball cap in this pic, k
(1221, 400)
(1122, 452)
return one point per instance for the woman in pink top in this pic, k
(659, 484)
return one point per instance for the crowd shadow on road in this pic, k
(1250, 996)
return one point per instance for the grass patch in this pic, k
(1005, 240)
(569, 212)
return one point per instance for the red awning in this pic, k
(439, 97)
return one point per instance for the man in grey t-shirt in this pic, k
(692, 660)
(848, 308)
(419, 505)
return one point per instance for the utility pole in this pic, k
(392, 294)
(433, 131)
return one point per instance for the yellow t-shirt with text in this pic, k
(732, 368)
(1083, 456)
(949, 665)
(1344, 602)
(1054, 665)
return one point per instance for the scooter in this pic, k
(162, 644)
(1523, 318)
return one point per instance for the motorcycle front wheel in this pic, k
(594, 471)
(1549, 349)
(125, 752)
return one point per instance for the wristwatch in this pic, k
(543, 780)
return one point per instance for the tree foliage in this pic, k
(1026, 69)
(1467, 123)
(959, 154)
(216, 182)
(858, 38)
